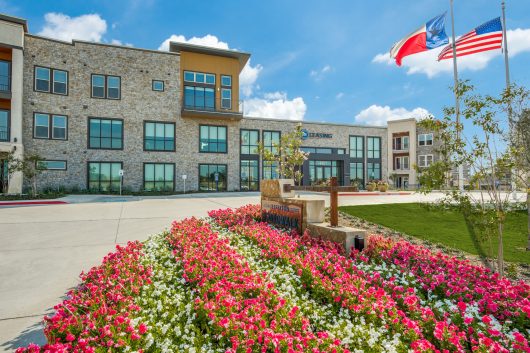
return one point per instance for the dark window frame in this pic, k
(222, 99)
(53, 169)
(271, 167)
(258, 174)
(158, 90)
(192, 83)
(217, 126)
(9, 75)
(241, 142)
(209, 164)
(51, 80)
(99, 179)
(226, 86)
(50, 127)
(363, 168)
(378, 138)
(160, 122)
(105, 88)
(363, 151)
(101, 148)
(163, 163)
(8, 125)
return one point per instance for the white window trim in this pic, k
(425, 164)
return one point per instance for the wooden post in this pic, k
(334, 201)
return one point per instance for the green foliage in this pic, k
(490, 153)
(29, 165)
(448, 226)
(290, 157)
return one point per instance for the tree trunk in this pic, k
(34, 187)
(500, 256)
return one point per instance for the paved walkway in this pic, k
(44, 248)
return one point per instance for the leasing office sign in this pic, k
(319, 135)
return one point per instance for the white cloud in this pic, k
(339, 95)
(207, 41)
(119, 42)
(247, 77)
(426, 62)
(89, 27)
(318, 75)
(378, 115)
(276, 105)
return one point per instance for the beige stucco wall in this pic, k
(398, 126)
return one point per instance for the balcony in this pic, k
(193, 111)
(4, 134)
(5, 87)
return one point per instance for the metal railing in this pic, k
(4, 134)
(213, 109)
(5, 83)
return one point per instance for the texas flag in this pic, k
(429, 36)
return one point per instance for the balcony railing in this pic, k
(4, 134)
(5, 83)
(194, 110)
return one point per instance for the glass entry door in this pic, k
(212, 177)
(321, 171)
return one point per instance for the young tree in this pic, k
(29, 166)
(487, 152)
(520, 138)
(289, 157)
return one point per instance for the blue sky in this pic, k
(316, 60)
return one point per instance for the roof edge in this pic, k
(17, 20)
(243, 57)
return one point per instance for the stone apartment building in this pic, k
(100, 115)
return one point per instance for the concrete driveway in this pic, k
(44, 248)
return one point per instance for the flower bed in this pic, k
(230, 283)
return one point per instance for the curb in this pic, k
(375, 193)
(21, 203)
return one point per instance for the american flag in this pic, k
(487, 36)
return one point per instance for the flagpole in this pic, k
(507, 72)
(457, 98)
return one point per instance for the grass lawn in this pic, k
(445, 227)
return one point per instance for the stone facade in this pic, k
(137, 68)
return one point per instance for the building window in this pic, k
(226, 81)
(105, 86)
(271, 141)
(357, 174)
(341, 151)
(5, 76)
(356, 147)
(159, 176)
(425, 160)
(425, 139)
(270, 170)
(105, 134)
(321, 171)
(374, 147)
(226, 98)
(213, 139)
(159, 136)
(249, 175)
(51, 80)
(212, 177)
(104, 176)
(4, 125)
(50, 126)
(158, 85)
(401, 163)
(51, 165)
(374, 171)
(249, 141)
(400, 143)
(199, 77)
(199, 90)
